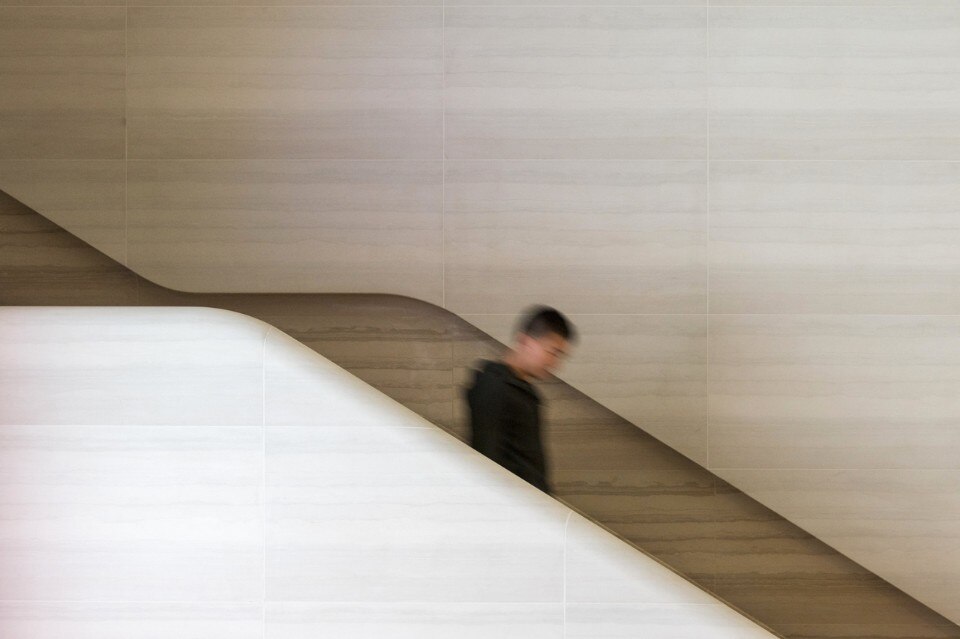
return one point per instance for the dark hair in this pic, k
(539, 321)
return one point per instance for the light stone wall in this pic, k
(750, 207)
(197, 472)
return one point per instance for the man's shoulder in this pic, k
(490, 366)
(495, 374)
(486, 372)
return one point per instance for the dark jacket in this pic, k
(505, 422)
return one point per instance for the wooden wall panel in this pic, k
(528, 82)
(848, 82)
(592, 237)
(345, 226)
(344, 82)
(62, 80)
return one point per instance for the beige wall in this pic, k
(197, 472)
(750, 209)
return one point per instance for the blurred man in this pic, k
(505, 407)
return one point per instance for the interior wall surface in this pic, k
(602, 466)
(163, 471)
(749, 207)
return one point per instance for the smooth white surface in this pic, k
(163, 620)
(82, 366)
(359, 521)
(129, 513)
(309, 620)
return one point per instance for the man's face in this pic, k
(542, 355)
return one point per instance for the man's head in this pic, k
(543, 338)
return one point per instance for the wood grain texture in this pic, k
(63, 3)
(86, 196)
(649, 369)
(575, 83)
(39, 255)
(347, 226)
(864, 83)
(834, 392)
(625, 237)
(831, 3)
(878, 237)
(847, 422)
(62, 81)
(605, 467)
(282, 3)
(576, 3)
(334, 82)
(842, 82)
